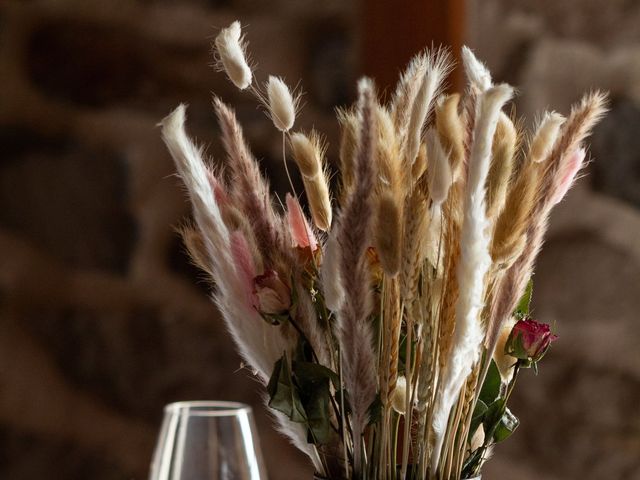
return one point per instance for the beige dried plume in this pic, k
(406, 91)
(388, 226)
(502, 161)
(438, 68)
(451, 131)
(230, 55)
(439, 172)
(545, 136)
(308, 153)
(282, 104)
(388, 233)
(348, 143)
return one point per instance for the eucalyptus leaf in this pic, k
(492, 417)
(507, 425)
(283, 393)
(313, 381)
(491, 387)
(478, 415)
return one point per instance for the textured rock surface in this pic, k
(102, 318)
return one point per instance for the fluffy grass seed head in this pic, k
(282, 104)
(230, 55)
(438, 169)
(308, 152)
(545, 136)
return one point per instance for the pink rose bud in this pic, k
(529, 340)
(272, 295)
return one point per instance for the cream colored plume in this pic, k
(438, 67)
(231, 57)
(545, 136)
(477, 73)
(282, 105)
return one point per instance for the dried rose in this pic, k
(529, 341)
(271, 295)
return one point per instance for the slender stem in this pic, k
(344, 423)
(407, 419)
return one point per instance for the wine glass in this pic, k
(208, 441)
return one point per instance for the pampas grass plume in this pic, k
(437, 69)
(504, 147)
(282, 105)
(231, 55)
(477, 73)
(545, 137)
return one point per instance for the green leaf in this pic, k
(478, 415)
(313, 381)
(522, 310)
(493, 416)
(491, 387)
(283, 393)
(506, 426)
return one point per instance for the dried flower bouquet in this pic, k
(388, 332)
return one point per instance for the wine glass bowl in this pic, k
(208, 440)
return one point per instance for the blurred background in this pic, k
(102, 318)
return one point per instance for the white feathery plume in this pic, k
(437, 69)
(477, 73)
(545, 136)
(231, 57)
(297, 434)
(282, 106)
(260, 344)
(474, 263)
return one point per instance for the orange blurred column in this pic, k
(395, 30)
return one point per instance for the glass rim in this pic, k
(208, 408)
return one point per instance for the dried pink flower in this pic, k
(301, 233)
(271, 295)
(529, 340)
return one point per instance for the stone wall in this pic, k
(578, 416)
(102, 318)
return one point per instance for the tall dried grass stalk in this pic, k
(354, 228)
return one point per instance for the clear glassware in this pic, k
(208, 441)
